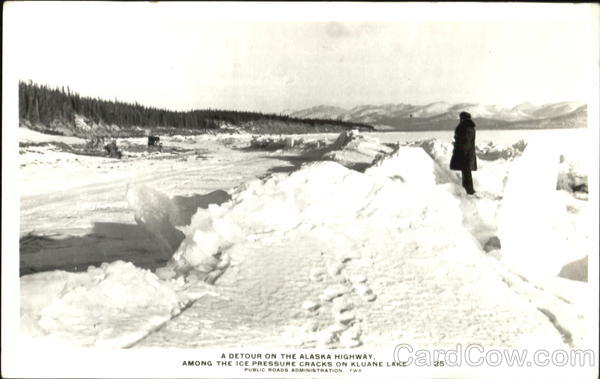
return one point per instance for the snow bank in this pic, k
(412, 165)
(275, 143)
(28, 135)
(531, 222)
(490, 176)
(108, 306)
(355, 150)
(440, 151)
(84, 126)
(403, 224)
(319, 193)
(369, 251)
(306, 143)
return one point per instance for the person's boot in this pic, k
(467, 182)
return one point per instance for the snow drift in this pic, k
(108, 306)
(388, 244)
(532, 222)
(319, 193)
(410, 164)
(391, 241)
(355, 150)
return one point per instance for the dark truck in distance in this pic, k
(154, 143)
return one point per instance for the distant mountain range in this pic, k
(444, 116)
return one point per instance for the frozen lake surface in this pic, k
(499, 137)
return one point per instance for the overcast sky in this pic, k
(272, 57)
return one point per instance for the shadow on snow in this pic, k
(107, 242)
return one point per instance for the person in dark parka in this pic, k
(463, 155)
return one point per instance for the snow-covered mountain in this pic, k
(320, 111)
(439, 114)
(555, 109)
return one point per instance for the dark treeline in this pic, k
(42, 104)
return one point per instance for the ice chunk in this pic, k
(531, 216)
(572, 176)
(200, 251)
(355, 150)
(439, 151)
(157, 214)
(108, 306)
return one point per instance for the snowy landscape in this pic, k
(305, 241)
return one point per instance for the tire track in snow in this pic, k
(559, 312)
(158, 327)
(554, 307)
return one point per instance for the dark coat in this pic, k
(463, 155)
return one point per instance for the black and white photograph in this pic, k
(300, 190)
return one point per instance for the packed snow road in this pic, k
(315, 256)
